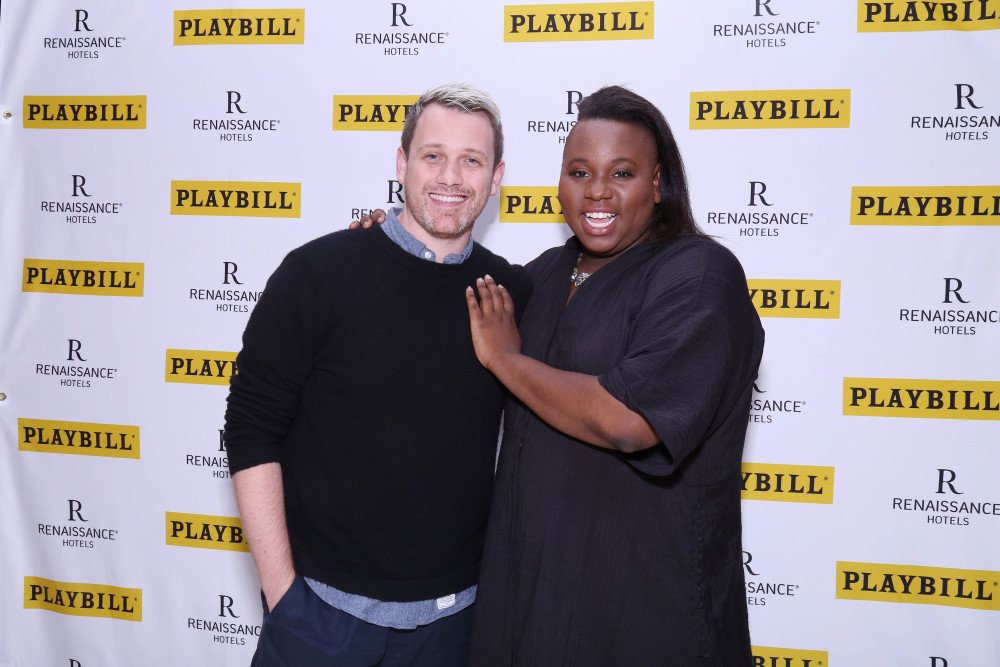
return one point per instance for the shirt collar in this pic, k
(393, 228)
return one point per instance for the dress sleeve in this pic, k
(522, 292)
(690, 347)
(279, 344)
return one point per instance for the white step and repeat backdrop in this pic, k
(157, 160)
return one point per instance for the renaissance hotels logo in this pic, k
(918, 584)
(787, 483)
(922, 399)
(530, 204)
(63, 437)
(239, 26)
(973, 205)
(368, 113)
(770, 656)
(85, 112)
(200, 366)
(770, 109)
(912, 16)
(74, 599)
(60, 276)
(578, 22)
(205, 531)
(240, 198)
(818, 299)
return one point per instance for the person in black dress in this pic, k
(615, 534)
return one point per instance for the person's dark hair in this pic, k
(672, 216)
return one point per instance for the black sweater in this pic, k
(358, 375)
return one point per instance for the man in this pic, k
(361, 430)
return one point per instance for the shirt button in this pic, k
(428, 254)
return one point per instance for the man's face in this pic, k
(449, 173)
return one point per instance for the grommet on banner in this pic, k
(3, 396)
(7, 115)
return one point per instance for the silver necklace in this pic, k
(578, 276)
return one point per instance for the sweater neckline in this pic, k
(412, 262)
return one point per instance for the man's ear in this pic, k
(497, 177)
(400, 165)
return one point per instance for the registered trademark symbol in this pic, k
(832, 292)
(826, 479)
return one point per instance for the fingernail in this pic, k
(489, 278)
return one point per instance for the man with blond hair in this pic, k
(361, 430)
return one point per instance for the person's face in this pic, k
(448, 174)
(609, 185)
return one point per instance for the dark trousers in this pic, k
(304, 631)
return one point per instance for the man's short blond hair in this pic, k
(456, 96)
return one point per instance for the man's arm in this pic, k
(261, 500)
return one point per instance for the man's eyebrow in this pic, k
(439, 146)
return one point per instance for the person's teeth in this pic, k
(608, 218)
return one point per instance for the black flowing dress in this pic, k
(594, 557)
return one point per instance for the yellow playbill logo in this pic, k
(368, 113)
(205, 531)
(771, 656)
(972, 205)
(242, 198)
(918, 584)
(913, 16)
(787, 483)
(78, 599)
(62, 276)
(770, 109)
(85, 112)
(796, 298)
(62, 437)
(239, 26)
(922, 399)
(584, 21)
(200, 366)
(530, 203)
